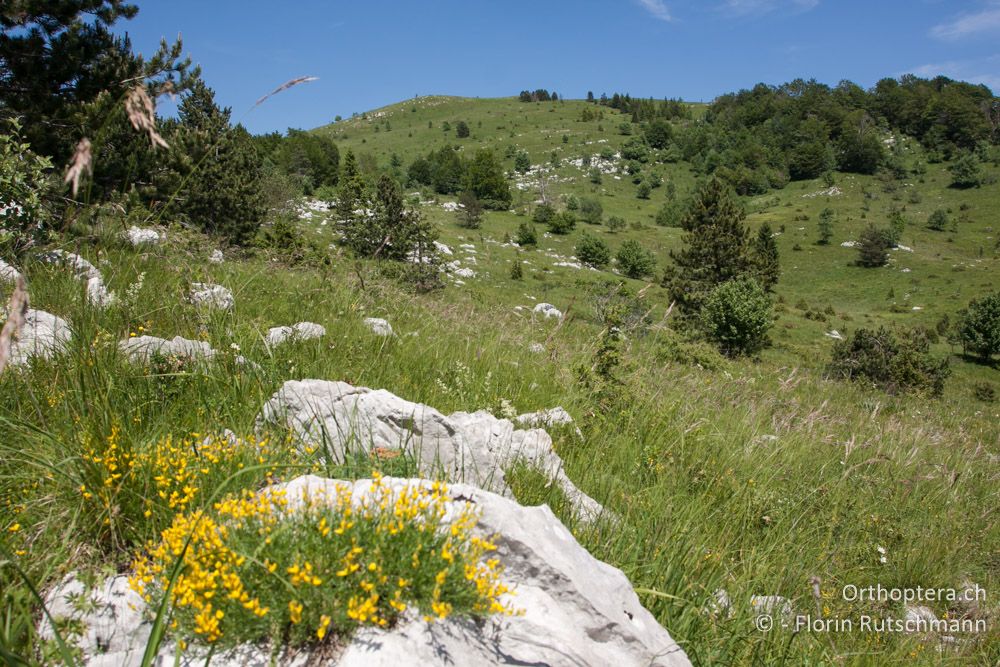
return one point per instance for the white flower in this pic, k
(880, 549)
(234, 347)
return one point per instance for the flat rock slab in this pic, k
(43, 335)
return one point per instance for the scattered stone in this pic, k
(916, 617)
(467, 447)
(300, 331)
(211, 296)
(773, 605)
(573, 608)
(43, 335)
(465, 273)
(378, 326)
(536, 348)
(442, 248)
(8, 273)
(903, 248)
(543, 418)
(97, 293)
(140, 237)
(834, 334)
(548, 310)
(830, 192)
(142, 348)
(216, 257)
(848, 244)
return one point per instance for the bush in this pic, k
(591, 211)
(516, 272)
(979, 327)
(526, 235)
(938, 220)
(669, 215)
(615, 224)
(543, 214)
(593, 251)
(966, 172)
(470, 215)
(737, 316)
(328, 584)
(894, 364)
(23, 185)
(985, 392)
(675, 349)
(562, 223)
(873, 247)
(461, 129)
(635, 261)
(643, 191)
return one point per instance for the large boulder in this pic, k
(468, 447)
(378, 326)
(43, 335)
(574, 609)
(548, 310)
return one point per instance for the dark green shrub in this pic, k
(593, 251)
(890, 362)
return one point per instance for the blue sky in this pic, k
(368, 53)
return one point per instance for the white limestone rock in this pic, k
(138, 236)
(211, 296)
(378, 326)
(575, 609)
(82, 268)
(465, 447)
(548, 310)
(43, 335)
(142, 348)
(216, 257)
(299, 331)
(8, 273)
(536, 348)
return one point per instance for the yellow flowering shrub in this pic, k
(133, 491)
(251, 568)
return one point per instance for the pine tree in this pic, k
(715, 247)
(351, 193)
(391, 230)
(825, 226)
(764, 256)
(516, 272)
(217, 170)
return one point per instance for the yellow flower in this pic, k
(295, 611)
(324, 623)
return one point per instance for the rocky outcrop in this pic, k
(574, 609)
(469, 447)
(43, 335)
(8, 273)
(299, 331)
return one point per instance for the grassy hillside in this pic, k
(941, 274)
(754, 476)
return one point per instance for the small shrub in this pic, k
(979, 327)
(985, 392)
(325, 569)
(892, 363)
(675, 349)
(516, 272)
(562, 223)
(593, 251)
(634, 260)
(873, 247)
(737, 316)
(938, 220)
(615, 224)
(23, 186)
(591, 211)
(526, 235)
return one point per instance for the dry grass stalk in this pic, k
(82, 161)
(17, 310)
(142, 114)
(285, 86)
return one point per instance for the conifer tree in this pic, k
(764, 256)
(715, 247)
(217, 172)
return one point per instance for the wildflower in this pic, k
(324, 623)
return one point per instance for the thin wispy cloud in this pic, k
(752, 7)
(985, 71)
(657, 9)
(984, 22)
